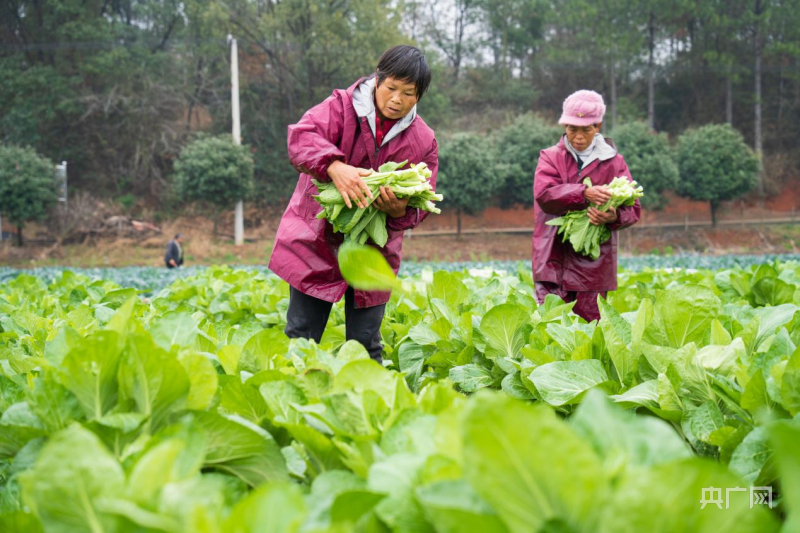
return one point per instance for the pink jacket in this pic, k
(304, 253)
(557, 189)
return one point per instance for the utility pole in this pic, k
(237, 133)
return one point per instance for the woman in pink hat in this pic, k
(558, 188)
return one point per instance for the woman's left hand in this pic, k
(391, 204)
(598, 217)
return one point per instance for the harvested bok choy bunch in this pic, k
(584, 236)
(359, 224)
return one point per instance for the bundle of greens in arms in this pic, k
(586, 237)
(359, 224)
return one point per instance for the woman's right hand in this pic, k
(597, 195)
(348, 181)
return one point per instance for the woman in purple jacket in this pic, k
(340, 140)
(558, 188)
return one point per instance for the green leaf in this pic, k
(339, 497)
(790, 384)
(620, 436)
(169, 461)
(261, 350)
(279, 396)
(770, 320)
(176, 328)
(397, 476)
(784, 438)
(122, 321)
(773, 291)
(391, 166)
(411, 358)
(73, 472)
(18, 426)
(682, 315)
(667, 498)
(751, 456)
(723, 360)
(20, 522)
(618, 337)
(529, 466)
(203, 380)
(365, 268)
(367, 374)
(154, 380)
(643, 394)
(755, 395)
(471, 378)
(90, 370)
(241, 448)
(229, 356)
(244, 400)
(411, 432)
(376, 229)
(513, 386)
(423, 334)
(719, 335)
(564, 382)
(273, 507)
(448, 287)
(668, 399)
(455, 507)
(705, 420)
(505, 328)
(53, 404)
(57, 348)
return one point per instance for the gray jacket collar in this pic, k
(364, 104)
(602, 150)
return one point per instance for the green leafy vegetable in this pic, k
(586, 237)
(365, 268)
(359, 225)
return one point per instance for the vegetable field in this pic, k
(187, 408)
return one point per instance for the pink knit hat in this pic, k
(583, 108)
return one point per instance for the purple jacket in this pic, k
(557, 189)
(305, 249)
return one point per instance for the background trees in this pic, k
(466, 177)
(215, 172)
(28, 188)
(715, 165)
(118, 88)
(650, 159)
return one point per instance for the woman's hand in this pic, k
(391, 204)
(597, 195)
(348, 181)
(598, 217)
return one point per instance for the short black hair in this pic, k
(178, 235)
(405, 63)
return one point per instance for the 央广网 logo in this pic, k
(713, 496)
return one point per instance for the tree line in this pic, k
(711, 163)
(119, 87)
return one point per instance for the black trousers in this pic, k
(307, 317)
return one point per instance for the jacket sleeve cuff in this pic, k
(410, 220)
(625, 218)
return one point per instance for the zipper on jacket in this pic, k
(374, 140)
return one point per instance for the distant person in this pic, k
(339, 140)
(557, 188)
(174, 256)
